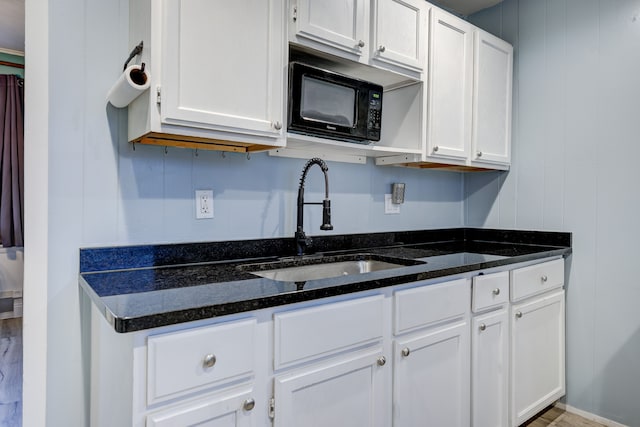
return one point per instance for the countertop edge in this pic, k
(150, 321)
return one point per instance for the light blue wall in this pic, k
(575, 156)
(101, 192)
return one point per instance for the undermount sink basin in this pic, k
(314, 268)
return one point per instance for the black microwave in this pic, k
(331, 105)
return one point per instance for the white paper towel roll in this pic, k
(129, 86)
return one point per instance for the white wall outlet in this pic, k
(389, 206)
(204, 204)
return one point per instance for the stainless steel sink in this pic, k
(304, 269)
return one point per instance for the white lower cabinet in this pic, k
(489, 369)
(228, 409)
(537, 354)
(345, 391)
(431, 361)
(431, 378)
(537, 338)
(418, 354)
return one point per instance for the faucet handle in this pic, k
(326, 215)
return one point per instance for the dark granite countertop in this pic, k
(142, 287)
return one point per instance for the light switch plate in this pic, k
(204, 204)
(390, 207)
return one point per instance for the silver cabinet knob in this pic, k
(435, 148)
(482, 326)
(479, 154)
(277, 125)
(518, 314)
(405, 352)
(209, 360)
(382, 48)
(543, 278)
(496, 291)
(361, 43)
(382, 360)
(249, 404)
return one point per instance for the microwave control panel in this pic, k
(374, 121)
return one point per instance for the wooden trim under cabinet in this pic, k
(194, 142)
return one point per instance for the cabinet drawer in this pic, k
(490, 290)
(426, 305)
(536, 279)
(309, 333)
(186, 361)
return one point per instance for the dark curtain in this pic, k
(11, 160)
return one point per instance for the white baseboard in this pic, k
(588, 415)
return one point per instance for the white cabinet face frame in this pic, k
(449, 87)
(537, 354)
(431, 377)
(340, 24)
(344, 391)
(490, 369)
(399, 33)
(204, 50)
(492, 99)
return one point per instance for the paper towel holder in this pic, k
(136, 51)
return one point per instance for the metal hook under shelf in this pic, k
(223, 154)
(166, 150)
(196, 152)
(136, 51)
(248, 156)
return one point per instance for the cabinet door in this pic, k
(336, 23)
(492, 84)
(400, 34)
(490, 369)
(223, 65)
(229, 409)
(431, 378)
(347, 391)
(449, 93)
(537, 355)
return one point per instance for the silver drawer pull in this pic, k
(518, 314)
(209, 360)
(382, 360)
(496, 291)
(543, 278)
(482, 326)
(249, 404)
(405, 352)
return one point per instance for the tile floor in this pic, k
(11, 372)
(555, 417)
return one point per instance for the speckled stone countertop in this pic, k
(143, 287)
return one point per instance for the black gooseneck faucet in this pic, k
(302, 241)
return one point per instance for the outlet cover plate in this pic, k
(390, 207)
(204, 204)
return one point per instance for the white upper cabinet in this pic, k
(467, 113)
(492, 88)
(449, 87)
(339, 24)
(216, 69)
(399, 34)
(389, 34)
